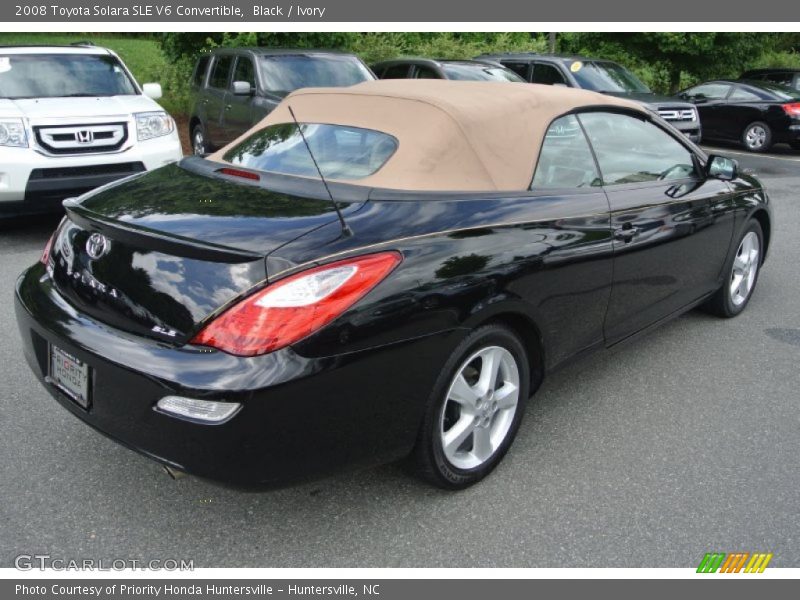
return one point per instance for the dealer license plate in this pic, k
(70, 375)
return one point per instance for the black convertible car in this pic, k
(757, 114)
(243, 319)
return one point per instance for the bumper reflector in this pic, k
(209, 412)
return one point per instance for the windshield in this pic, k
(62, 75)
(605, 77)
(284, 74)
(341, 152)
(479, 73)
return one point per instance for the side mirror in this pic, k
(722, 167)
(242, 88)
(152, 90)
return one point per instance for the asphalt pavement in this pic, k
(684, 442)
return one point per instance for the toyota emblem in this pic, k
(97, 245)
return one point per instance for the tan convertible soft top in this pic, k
(453, 135)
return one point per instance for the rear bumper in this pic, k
(32, 182)
(300, 417)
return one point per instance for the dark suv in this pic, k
(783, 76)
(603, 76)
(234, 88)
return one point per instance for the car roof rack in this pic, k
(82, 43)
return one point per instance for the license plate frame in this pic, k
(70, 375)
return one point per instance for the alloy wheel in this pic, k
(745, 268)
(756, 137)
(479, 410)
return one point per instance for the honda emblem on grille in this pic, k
(97, 245)
(84, 136)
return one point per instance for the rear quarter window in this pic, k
(342, 152)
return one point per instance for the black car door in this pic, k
(742, 107)
(672, 225)
(709, 99)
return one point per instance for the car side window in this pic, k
(709, 91)
(565, 160)
(633, 150)
(742, 95)
(245, 71)
(219, 74)
(520, 68)
(547, 75)
(421, 72)
(200, 70)
(395, 72)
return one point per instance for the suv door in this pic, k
(215, 96)
(239, 114)
(672, 225)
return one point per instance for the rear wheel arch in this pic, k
(531, 337)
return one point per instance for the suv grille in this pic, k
(678, 114)
(82, 139)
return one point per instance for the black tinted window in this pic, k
(520, 68)
(546, 74)
(631, 150)
(565, 160)
(219, 75)
(200, 70)
(425, 73)
(395, 72)
(244, 71)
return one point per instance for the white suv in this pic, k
(73, 118)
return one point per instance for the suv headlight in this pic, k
(12, 133)
(153, 124)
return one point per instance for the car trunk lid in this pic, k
(159, 253)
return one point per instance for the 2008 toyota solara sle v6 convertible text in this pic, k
(382, 271)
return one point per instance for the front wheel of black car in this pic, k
(475, 409)
(757, 137)
(741, 274)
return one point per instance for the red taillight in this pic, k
(295, 307)
(239, 173)
(792, 109)
(47, 247)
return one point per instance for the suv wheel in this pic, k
(199, 147)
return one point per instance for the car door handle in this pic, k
(626, 234)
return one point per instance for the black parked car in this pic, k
(234, 88)
(461, 70)
(241, 319)
(757, 114)
(783, 76)
(602, 76)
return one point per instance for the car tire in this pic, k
(757, 137)
(479, 416)
(741, 274)
(199, 140)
